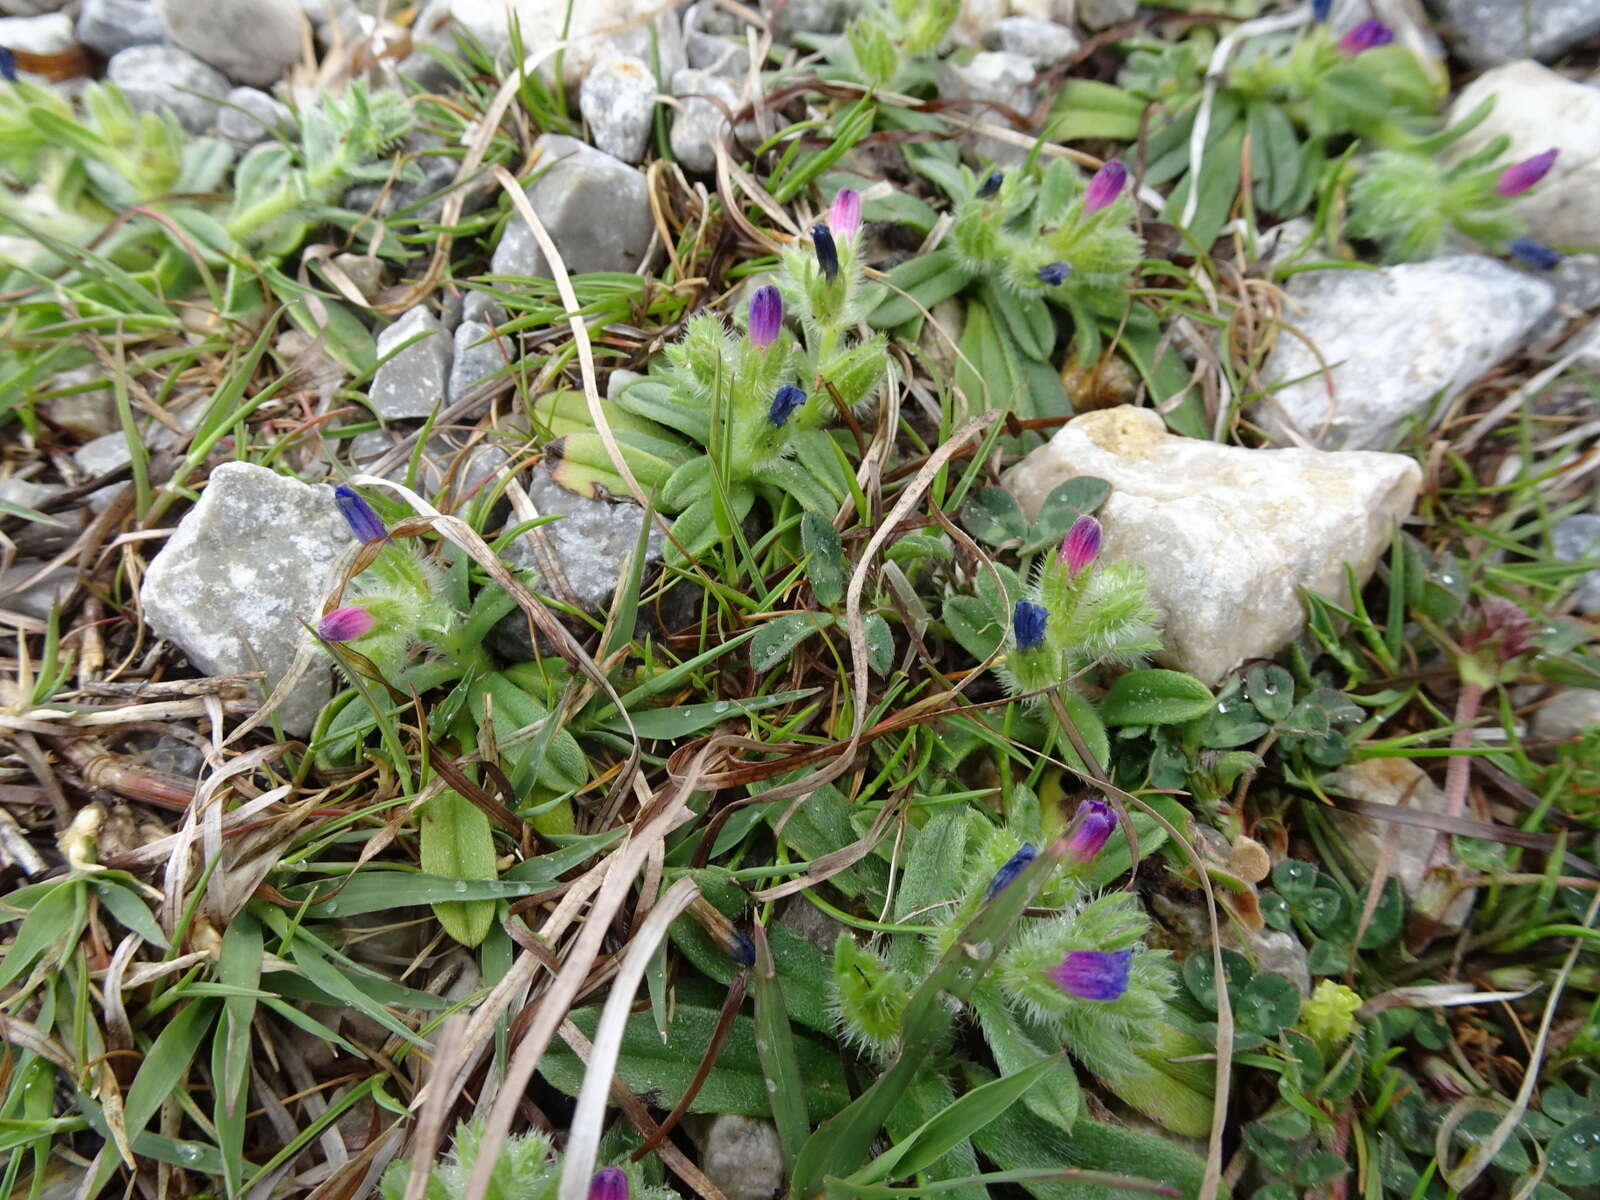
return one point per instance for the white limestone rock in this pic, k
(249, 41)
(1042, 43)
(412, 380)
(251, 560)
(701, 124)
(1393, 340)
(1539, 109)
(617, 100)
(1000, 77)
(1227, 535)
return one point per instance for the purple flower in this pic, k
(8, 65)
(1320, 9)
(787, 399)
(1368, 35)
(1081, 545)
(845, 215)
(1093, 974)
(609, 1183)
(1535, 254)
(1091, 826)
(1027, 622)
(1105, 187)
(345, 624)
(991, 185)
(1519, 177)
(1012, 868)
(1054, 274)
(742, 950)
(827, 252)
(766, 316)
(358, 514)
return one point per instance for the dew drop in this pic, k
(460, 886)
(331, 908)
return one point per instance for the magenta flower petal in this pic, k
(1368, 35)
(1093, 974)
(1081, 545)
(844, 218)
(1105, 187)
(1091, 827)
(1519, 177)
(345, 624)
(766, 316)
(609, 1183)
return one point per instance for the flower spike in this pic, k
(1093, 974)
(787, 399)
(1091, 827)
(844, 218)
(1081, 545)
(1520, 176)
(1105, 187)
(1368, 35)
(766, 316)
(345, 624)
(827, 252)
(1027, 622)
(358, 514)
(1012, 868)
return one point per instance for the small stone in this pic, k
(162, 79)
(1186, 925)
(1577, 538)
(365, 271)
(411, 381)
(1537, 110)
(172, 755)
(250, 41)
(1394, 340)
(48, 36)
(701, 125)
(995, 77)
(644, 28)
(249, 116)
(1488, 32)
(483, 308)
(742, 1156)
(451, 473)
(427, 185)
(809, 923)
(40, 596)
(1577, 281)
(1388, 781)
(251, 561)
(332, 17)
(110, 26)
(1042, 43)
(812, 16)
(25, 492)
(1102, 14)
(29, 8)
(1227, 535)
(1566, 715)
(617, 100)
(592, 541)
(79, 403)
(595, 208)
(477, 356)
(710, 49)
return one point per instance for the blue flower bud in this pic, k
(8, 65)
(827, 252)
(991, 185)
(1535, 254)
(1013, 867)
(1027, 622)
(1054, 274)
(1093, 974)
(787, 399)
(1320, 9)
(358, 514)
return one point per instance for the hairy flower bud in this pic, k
(766, 316)
(1012, 868)
(827, 252)
(1093, 974)
(1520, 176)
(1105, 187)
(1054, 274)
(609, 1183)
(1091, 827)
(1027, 623)
(345, 624)
(844, 218)
(358, 514)
(1081, 545)
(1535, 254)
(784, 402)
(1368, 35)
(991, 185)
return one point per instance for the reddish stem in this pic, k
(1459, 774)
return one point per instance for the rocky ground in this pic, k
(625, 598)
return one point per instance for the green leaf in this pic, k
(992, 516)
(825, 565)
(1155, 697)
(1088, 110)
(880, 644)
(1077, 497)
(1200, 976)
(775, 1047)
(927, 279)
(974, 625)
(775, 639)
(1058, 1098)
(789, 476)
(129, 908)
(1574, 1154)
(979, 1107)
(457, 842)
(55, 920)
(663, 1070)
(1270, 1003)
(1275, 160)
(1271, 690)
(686, 719)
